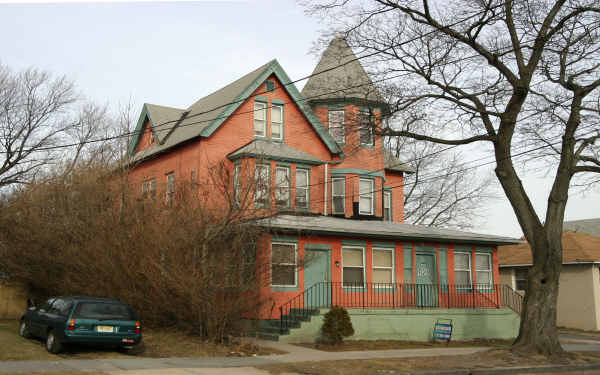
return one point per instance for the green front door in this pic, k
(316, 278)
(427, 288)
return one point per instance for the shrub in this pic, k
(336, 326)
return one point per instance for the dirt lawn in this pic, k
(352, 345)
(488, 359)
(157, 343)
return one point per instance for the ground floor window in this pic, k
(483, 267)
(353, 271)
(462, 269)
(521, 279)
(283, 264)
(383, 266)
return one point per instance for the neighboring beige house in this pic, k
(579, 290)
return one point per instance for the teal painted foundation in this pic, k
(416, 325)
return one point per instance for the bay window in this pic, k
(339, 195)
(336, 126)
(367, 197)
(282, 179)
(302, 188)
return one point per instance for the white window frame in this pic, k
(364, 195)
(490, 271)
(342, 128)
(152, 187)
(362, 115)
(333, 195)
(392, 268)
(470, 269)
(267, 190)
(280, 122)
(305, 188)
(285, 264)
(258, 108)
(387, 198)
(236, 184)
(170, 188)
(286, 187)
(364, 266)
(526, 270)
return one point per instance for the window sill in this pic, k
(370, 147)
(282, 288)
(354, 289)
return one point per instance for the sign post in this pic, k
(442, 330)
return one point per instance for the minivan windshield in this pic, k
(103, 311)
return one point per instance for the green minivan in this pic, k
(82, 320)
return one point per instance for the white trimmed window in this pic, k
(483, 267)
(260, 119)
(462, 269)
(302, 186)
(339, 195)
(282, 180)
(152, 187)
(383, 266)
(283, 264)
(261, 178)
(336, 126)
(365, 129)
(276, 121)
(236, 183)
(170, 193)
(387, 205)
(521, 279)
(367, 197)
(353, 271)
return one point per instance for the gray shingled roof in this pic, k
(341, 81)
(392, 163)
(207, 114)
(328, 225)
(273, 150)
(588, 226)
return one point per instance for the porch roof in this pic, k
(260, 148)
(328, 225)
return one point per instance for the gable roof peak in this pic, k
(339, 76)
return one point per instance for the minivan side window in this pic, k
(61, 307)
(46, 306)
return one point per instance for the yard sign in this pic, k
(442, 331)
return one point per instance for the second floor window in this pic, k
(236, 184)
(302, 188)
(170, 187)
(261, 193)
(338, 192)
(336, 126)
(145, 185)
(152, 187)
(260, 119)
(365, 129)
(387, 205)
(282, 194)
(365, 206)
(277, 121)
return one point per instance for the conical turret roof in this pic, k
(339, 76)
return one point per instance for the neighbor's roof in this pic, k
(203, 117)
(384, 230)
(588, 226)
(392, 163)
(348, 81)
(577, 248)
(274, 151)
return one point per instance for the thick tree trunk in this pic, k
(538, 332)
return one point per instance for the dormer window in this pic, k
(336, 126)
(260, 119)
(270, 85)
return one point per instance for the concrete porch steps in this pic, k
(270, 329)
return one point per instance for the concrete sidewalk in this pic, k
(233, 365)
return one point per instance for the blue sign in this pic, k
(442, 331)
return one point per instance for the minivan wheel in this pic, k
(24, 330)
(52, 344)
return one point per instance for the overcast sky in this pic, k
(174, 53)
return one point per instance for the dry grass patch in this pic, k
(156, 344)
(488, 359)
(353, 345)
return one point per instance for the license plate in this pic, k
(105, 329)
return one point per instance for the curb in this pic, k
(509, 370)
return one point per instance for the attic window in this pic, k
(270, 85)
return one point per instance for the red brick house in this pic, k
(339, 196)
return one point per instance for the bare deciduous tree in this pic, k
(502, 72)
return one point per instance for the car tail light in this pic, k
(71, 326)
(138, 327)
